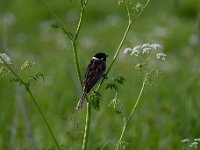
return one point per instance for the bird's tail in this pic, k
(80, 103)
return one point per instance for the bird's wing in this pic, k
(93, 74)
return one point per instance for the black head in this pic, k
(101, 56)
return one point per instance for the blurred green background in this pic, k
(169, 110)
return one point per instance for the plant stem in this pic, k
(88, 115)
(43, 116)
(131, 114)
(120, 46)
(76, 63)
(13, 72)
(117, 52)
(87, 126)
(138, 99)
(26, 86)
(73, 41)
(69, 35)
(122, 134)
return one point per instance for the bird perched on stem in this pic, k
(95, 71)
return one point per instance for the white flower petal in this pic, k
(138, 47)
(156, 46)
(126, 50)
(146, 50)
(146, 45)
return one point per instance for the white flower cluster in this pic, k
(185, 140)
(146, 49)
(197, 139)
(192, 143)
(5, 57)
(161, 55)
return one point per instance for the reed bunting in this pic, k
(95, 71)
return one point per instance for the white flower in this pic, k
(161, 55)
(193, 145)
(185, 140)
(146, 45)
(146, 50)
(197, 139)
(156, 46)
(6, 58)
(138, 47)
(135, 52)
(128, 49)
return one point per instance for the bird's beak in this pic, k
(106, 55)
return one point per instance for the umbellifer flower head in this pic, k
(161, 56)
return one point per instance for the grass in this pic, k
(168, 111)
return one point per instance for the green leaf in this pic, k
(27, 65)
(120, 80)
(95, 105)
(38, 76)
(95, 99)
(4, 71)
(111, 86)
(16, 80)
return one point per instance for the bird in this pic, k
(94, 72)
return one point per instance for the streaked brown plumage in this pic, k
(94, 73)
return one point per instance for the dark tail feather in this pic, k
(80, 103)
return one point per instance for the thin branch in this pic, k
(43, 116)
(75, 55)
(131, 114)
(117, 52)
(87, 126)
(69, 35)
(76, 63)
(13, 72)
(26, 86)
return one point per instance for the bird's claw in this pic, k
(105, 76)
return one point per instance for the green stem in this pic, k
(26, 86)
(80, 20)
(13, 72)
(87, 126)
(138, 99)
(88, 115)
(122, 134)
(73, 41)
(117, 52)
(131, 114)
(43, 116)
(131, 21)
(76, 62)
(120, 46)
(69, 35)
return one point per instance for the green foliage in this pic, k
(3, 71)
(95, 99)
(114, 84)
(27, 65)
(116, 106)
(169, 110)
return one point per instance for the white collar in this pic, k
(94, 58)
